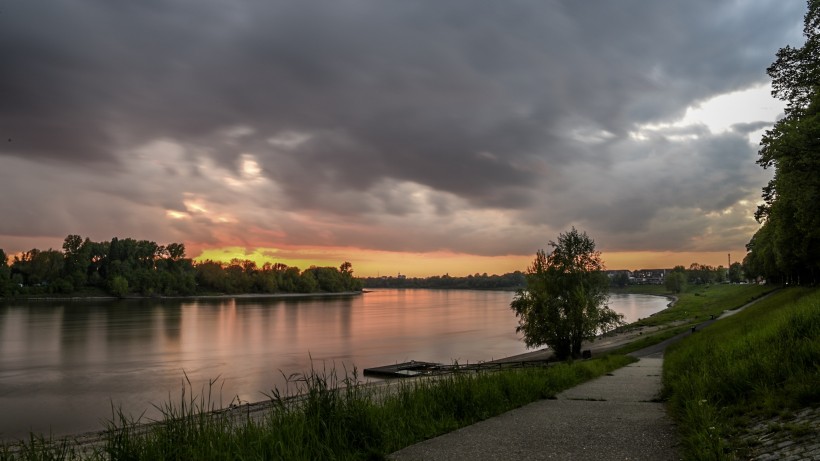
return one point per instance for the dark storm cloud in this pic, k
(476, 100)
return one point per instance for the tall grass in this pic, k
(760, 362)
(331, 417)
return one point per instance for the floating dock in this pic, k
(403, 370)
(416, 368)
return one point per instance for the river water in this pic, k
(64, 365)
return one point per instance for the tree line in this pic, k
(680, 277)
(786, 248)
(510, 281)
(125, 267)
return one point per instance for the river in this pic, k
(64, 365)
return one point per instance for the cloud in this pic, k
(416, 126)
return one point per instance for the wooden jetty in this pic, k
(402, 370)
(416, 368)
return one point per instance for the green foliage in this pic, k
(331, 280)
(735, 274)
(676, 280)
(760, 361)
(119, 286)
(308, 282)
(698, 303)
(332, 417)
(787, 246)
(620, 280)
(142, 267)
(5, 275)
(564, 302)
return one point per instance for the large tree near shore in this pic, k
(787, 247)
(564, 302)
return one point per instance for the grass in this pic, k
(650, 340)
(697, 304)
(758, 363)
(700, 302)
(333, 417)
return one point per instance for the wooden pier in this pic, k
(416, 368)
(402, 370)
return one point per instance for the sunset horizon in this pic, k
(375, 263)
(379, 263)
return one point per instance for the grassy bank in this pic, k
(699, 303)
(761, 362)
(337, 418)
(695, 305)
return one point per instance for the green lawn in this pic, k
(699, 303)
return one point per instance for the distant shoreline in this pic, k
(101, 297)
(192, 297)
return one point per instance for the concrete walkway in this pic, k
(614, 417)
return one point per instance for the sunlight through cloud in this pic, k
(719, 115)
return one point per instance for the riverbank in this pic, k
(333, 417)
(603, 344)
(191, 297)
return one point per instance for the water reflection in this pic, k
(63, 365)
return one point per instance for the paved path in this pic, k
(614, 417)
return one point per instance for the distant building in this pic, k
(649, 276)
(613, 273)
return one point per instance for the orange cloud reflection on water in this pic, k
(372, 263)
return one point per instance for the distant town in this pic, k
(675, 278)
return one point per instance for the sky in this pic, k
(422, 138)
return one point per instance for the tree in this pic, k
(5, 274)
(564, 302)
(176, 251)
(77, 259)
(307, 282)
(735, 272)
(119, 286)
(621, 279)
(210, 276)
(349, 283)
(675, 281)
(39, 268)
(700, 274)
(790, 235)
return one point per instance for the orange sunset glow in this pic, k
(368, 263)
